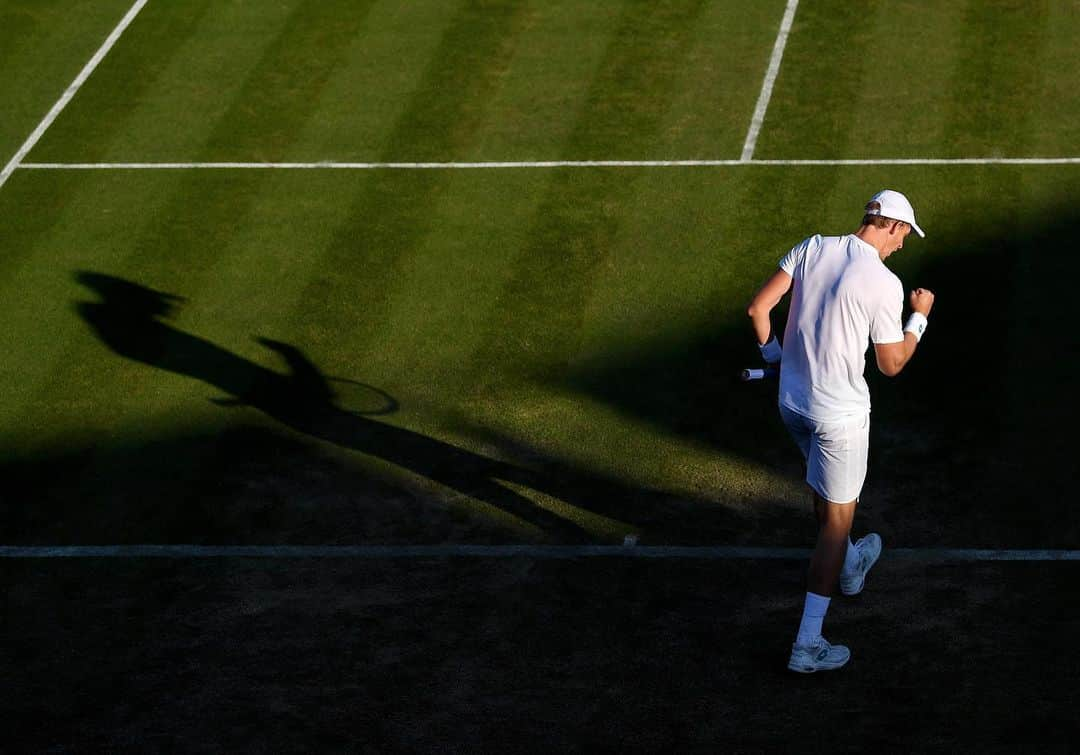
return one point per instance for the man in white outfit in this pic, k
(842, 299)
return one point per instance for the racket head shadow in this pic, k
(361, 399)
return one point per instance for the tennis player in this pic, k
(842, 299)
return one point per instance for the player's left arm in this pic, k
(763, 303)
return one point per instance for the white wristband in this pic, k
(916, 324)
(771, 351)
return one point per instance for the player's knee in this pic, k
(836, 516)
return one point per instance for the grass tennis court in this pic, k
(333, 355)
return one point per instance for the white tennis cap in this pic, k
(895, 206)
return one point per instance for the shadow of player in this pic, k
(128, 318)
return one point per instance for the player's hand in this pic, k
(922, 300)
(771, 351)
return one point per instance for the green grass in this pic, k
(43, 45)
(569, 336)
(920, 79)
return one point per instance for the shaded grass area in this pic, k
(529, 656)
(240, 484)
(251, 485)
(979, 440)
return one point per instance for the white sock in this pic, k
(813, 615)
(851, 559)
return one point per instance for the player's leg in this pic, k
(857, 557)
(863, 554)
(834, 529)
(836, 467)
(810, 651)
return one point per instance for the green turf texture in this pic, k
(43, 45)
(578, 324)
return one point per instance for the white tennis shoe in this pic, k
(869, 549)
(806, 659)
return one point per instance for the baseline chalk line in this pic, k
(70, 92)
(508, 551)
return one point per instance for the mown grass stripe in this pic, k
(578, 220)
(1058, 109)
(994, 91)
(282, 92)
(389, 216)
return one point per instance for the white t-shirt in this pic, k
(842, 298)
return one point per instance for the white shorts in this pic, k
(835, 453)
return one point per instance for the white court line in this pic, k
(508, 551)
(65, 98)
(327, 165)
(770, 79)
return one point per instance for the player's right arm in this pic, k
(892, 357)
(765, 301)
(775, 288)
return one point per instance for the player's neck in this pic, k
(874, 237)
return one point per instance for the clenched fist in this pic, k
(922, 300)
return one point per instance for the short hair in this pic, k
(876, 220)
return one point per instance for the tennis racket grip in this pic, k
(759, 373)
